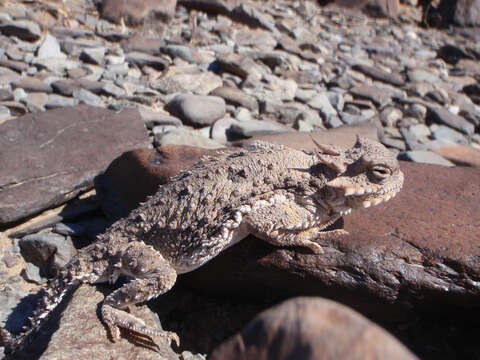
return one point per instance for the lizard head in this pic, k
(364, 175)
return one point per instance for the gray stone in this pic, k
(421, 156)
(309, 118)
(88, 229)
(445, 133)
(302, 125)
(438, 95)
(201, 83)
(242, 66)
(142, 59)
(379, 74)
(66, 86)
(352, 119)
(394, 143)
(57, 65)
(50, 48)
(236, 97)
(10, 260)
(156, 118)
(418, 111)
(32, 274)
(23, 29)
(322, 103)
(93, 55)
(413, 142)
(58, 101)
(197, 110)
(378, 96)
(19, 94)
(242, 114)
(45, 143)
(282, 89)
(333, 122)
(246, 129)
(422, 75)
(389, 116)
(336, 99)
(184, 137)
(86, 97)
(14, 65)
(5, 95)
(443, 116)
(220, 129)
(183, 52)
(36, 101)
(111, 89)
(285, 113)
(420, 131)
(31, 84)
(48, 251)
(8, 76)
(304, 95)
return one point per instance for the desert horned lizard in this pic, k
(284, 196)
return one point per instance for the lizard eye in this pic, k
(381, 172)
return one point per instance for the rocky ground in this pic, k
(83, 82)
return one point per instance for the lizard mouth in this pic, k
(342, 200)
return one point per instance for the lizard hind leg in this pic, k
(152, 276)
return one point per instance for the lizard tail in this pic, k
(51, 297)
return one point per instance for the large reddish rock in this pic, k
(419, 251)
(48, 158)
(311, 329)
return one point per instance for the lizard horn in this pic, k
(329, 150)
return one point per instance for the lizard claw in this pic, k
(116, 318)
(170, 336)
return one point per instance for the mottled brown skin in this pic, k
(284, 196)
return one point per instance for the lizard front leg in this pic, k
(290, 224)
(152, 276)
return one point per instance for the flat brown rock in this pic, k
(311, 329)
(48, 158)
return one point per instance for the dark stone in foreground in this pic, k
(48, 158)
(311, 329)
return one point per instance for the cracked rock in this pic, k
(61, 152)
